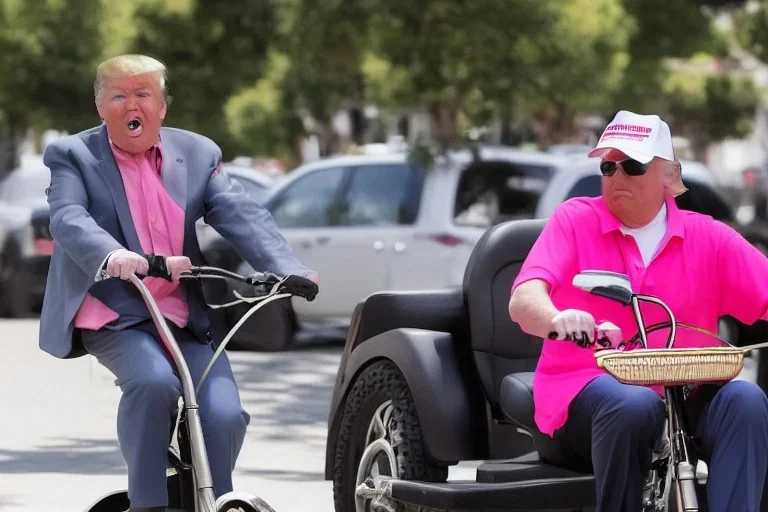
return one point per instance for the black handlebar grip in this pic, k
(300, 286)
(157, 267)
(553, 336)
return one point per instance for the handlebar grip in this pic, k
(301, 287)
(603, 341)
(553, 336)
(157, 267)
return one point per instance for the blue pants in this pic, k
(615, 426)
(147, 411)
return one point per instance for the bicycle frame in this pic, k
(204, 499)
(681, 463)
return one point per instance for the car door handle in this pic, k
(322, 240)
(378, 246)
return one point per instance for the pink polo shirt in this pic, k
(159, 223)
(703, 269)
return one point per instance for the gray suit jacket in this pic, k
(90, 218)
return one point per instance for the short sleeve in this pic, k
(742, 276)
(552, 257)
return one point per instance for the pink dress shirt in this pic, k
(159, 223)
(703, 269)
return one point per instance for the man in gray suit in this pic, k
(120, 192)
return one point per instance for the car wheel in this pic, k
(270, 329)
(14, 284)
(379, 437)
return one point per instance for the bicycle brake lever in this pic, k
(583, 341)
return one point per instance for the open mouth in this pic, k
(134, 128)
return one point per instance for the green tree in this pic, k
(706, 106)
(325, 43)
(453, 56)
(577, 67)
(49, 50)
(213, 49)
(263, 118)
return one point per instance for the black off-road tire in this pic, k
(378, 383)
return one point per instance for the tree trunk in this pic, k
(443, 120)
(555, 126)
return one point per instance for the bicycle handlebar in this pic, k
(271, 283)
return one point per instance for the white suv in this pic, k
(373, 223)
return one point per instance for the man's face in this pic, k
(622, 191)
(133, 109)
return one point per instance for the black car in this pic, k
(25, 241)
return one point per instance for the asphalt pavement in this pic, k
(58, 447)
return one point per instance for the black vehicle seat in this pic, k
(505, 356)
(436, 310)
(516, 399)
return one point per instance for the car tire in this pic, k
(14, 284)
(271, 329)
(378, 386)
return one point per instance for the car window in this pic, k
(588, 186)
(491, 192)
(255, 191)
(382, 195)
(308, 201)
(702, 198)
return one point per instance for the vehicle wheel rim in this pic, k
(378, 464)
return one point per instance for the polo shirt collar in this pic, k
(675, 224)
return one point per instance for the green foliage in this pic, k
(261, 118)
(49, 50)
(214, 49)
(583, 57)
(245, 72)
(707, 107)
(324, 45)
(752, 31)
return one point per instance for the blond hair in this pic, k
(128, 65)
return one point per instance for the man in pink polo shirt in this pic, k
(701, 268)
(124, 194)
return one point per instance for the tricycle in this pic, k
(190, 486)
(432, 379)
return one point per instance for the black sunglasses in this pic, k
(631, 167)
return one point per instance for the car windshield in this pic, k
(491, 192)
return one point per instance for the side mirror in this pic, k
(610, 285)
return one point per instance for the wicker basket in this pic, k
(672, 367)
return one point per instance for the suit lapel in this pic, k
(114, 180)
(175, 180)
(174, 173)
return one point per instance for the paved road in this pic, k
(57, 427)
(58, 448)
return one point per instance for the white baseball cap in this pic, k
(640, 137)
